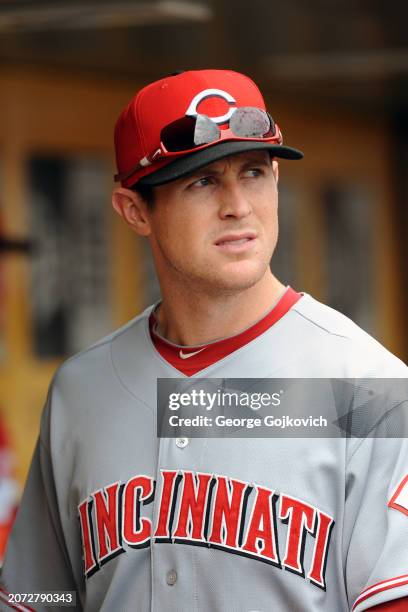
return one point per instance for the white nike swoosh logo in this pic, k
(187, 355)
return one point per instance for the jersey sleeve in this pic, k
(36, 557)
(375, 523)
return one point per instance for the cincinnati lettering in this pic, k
(208, 510)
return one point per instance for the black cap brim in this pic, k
(188, 163)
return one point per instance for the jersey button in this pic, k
(182, 442)
(171, 577)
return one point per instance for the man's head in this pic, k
(202, 146)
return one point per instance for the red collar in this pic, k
(206, 354)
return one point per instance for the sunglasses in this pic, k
(189, 134)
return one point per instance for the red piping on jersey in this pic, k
(379, 587)
(392, 503)
(395, 605)
(213, 352)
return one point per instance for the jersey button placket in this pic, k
(171, 577)
(182, 442)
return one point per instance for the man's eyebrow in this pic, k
(206, 170)
(200, 172)
(257, 161)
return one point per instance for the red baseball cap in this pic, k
(141, 156)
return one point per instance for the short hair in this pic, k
(146, 192)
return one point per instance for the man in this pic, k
(134, 522)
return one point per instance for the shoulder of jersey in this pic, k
(333, 329)
(92, 357)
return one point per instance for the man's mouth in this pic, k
(236, 241)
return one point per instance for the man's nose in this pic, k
(234, 202)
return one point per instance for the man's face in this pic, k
(216, 229)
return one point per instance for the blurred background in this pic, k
(335, 76)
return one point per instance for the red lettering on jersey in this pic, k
(299, 516)
(107, 515)
(114, 516)
(227, 512)
(317, 571)
(85, 519)
(262, 527)
(167, 496)
(193, 504)
(136, 530)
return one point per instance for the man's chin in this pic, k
(232, 280)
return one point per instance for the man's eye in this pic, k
(254, 172)
(202, 182)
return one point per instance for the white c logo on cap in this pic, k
(212, 93)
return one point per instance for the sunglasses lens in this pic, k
(250, 122)
(206, 130)
(179, 135)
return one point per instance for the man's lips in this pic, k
(236, 241)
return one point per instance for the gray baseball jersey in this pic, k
(135, 523)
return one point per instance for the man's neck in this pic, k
(199, 318)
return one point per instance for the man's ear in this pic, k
(275, 170)
(133, 209)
